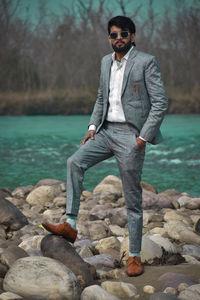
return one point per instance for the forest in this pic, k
(52, 67)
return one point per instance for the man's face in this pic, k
(120, 43)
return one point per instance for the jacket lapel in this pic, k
(129, 65)
(107, 69)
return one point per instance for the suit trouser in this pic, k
(119, 140)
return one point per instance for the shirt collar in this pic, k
(125, 56)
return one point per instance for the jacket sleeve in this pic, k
(158, 99)
(97, 113)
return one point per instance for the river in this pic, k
(37, 147)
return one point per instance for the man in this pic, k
(128, 112)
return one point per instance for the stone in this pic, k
(114, 274)
(60, 249)
(101, 261)
(180, 231)
(84, 242)
(191, 293)
(85, 252)
(108, 243)
(3, 270)
(31, 242)
(148, 187)
(191, 260)
(182, 287)
(163, 242)
(98, 230)
(59, 201)
(2, 231)
(192, 250)
(118, 231)
(171, 194)
(150, 250)
(11, 216)
(49, 182)
(162, 296)
(95, 292)
(9, 296)
(158, 230)
(98, 212)
(118, 216)
(11, 254)
(177, 215)
(120, 289)
(53, 214)
(43, 194)
(41, 276)
(189, 202)
(156, 201)
(22, 191)
(170, 290)
(197, 226)
(173, 280)
(149, 289)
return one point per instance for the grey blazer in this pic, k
(143, 95)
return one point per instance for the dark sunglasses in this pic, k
(123, 34)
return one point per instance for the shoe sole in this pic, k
(48, 229)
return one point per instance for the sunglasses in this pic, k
(123, 34)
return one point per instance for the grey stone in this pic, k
(118, 216)
(162, 296)
(191, 293)
(192, 250)
(95, 292)
(43, 194)
(11, 254)
(41, 276)
(3, 270)
(197, 226)
(101, 261)
(98, 230)
(120, 289)
(22, 191)
(172, 279)
(11, 216)
(156, 201)
(99, 212)
(59, 248)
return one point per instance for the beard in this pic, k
(125, 48)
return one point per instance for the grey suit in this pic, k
(144, 103)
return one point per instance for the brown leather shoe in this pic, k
(63, 229)
(134, 267)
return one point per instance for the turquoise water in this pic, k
(34, 148)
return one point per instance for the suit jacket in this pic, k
(143, 95)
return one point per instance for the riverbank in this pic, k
(96, 264)
(70, 102)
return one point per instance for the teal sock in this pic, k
(134, 254)
(72, 221)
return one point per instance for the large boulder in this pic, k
(59, 248)
(10, 215)
(11, 254)
(156, 201)
(41, 276)
(191, 293)
(43, 194)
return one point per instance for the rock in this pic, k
(180, 231)
(9, 296)
(22, 191)
(189, 202)
(177, 215)
(109, 189)
(163, 242)
(2, 231)
(98, 230)
(158, 230)
(85, 252)
(192, 250)
(54, 214)
(191, 293)
(43, 194)
(99, 212)
(81, 243)
(3, 270)
(191, 260)
(85, 195)
(42, 276)
(118, 231)
(31, 242)
(113, 180)
(197, 226)
(170, 290)
(120, 289)
(118, 216)
(108, 243)
(11, 216)
(182, 287)
(11, 254)
(49, 182)
(58, 248)
(101, 261)
(162, 296)
(149, 289)
(149, 252)
(148, 187)
(152, 200)
(59, 202)
(171, 194)
(173, 280)
(95, 292)
(113, 274)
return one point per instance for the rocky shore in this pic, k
(41, 266)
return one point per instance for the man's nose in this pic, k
(118, 35)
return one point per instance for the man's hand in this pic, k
(89, 135)
(141, 143)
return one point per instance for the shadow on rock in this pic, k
(57, 247)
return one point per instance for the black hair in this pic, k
(122, 22)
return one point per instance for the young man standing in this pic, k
(128, 112)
